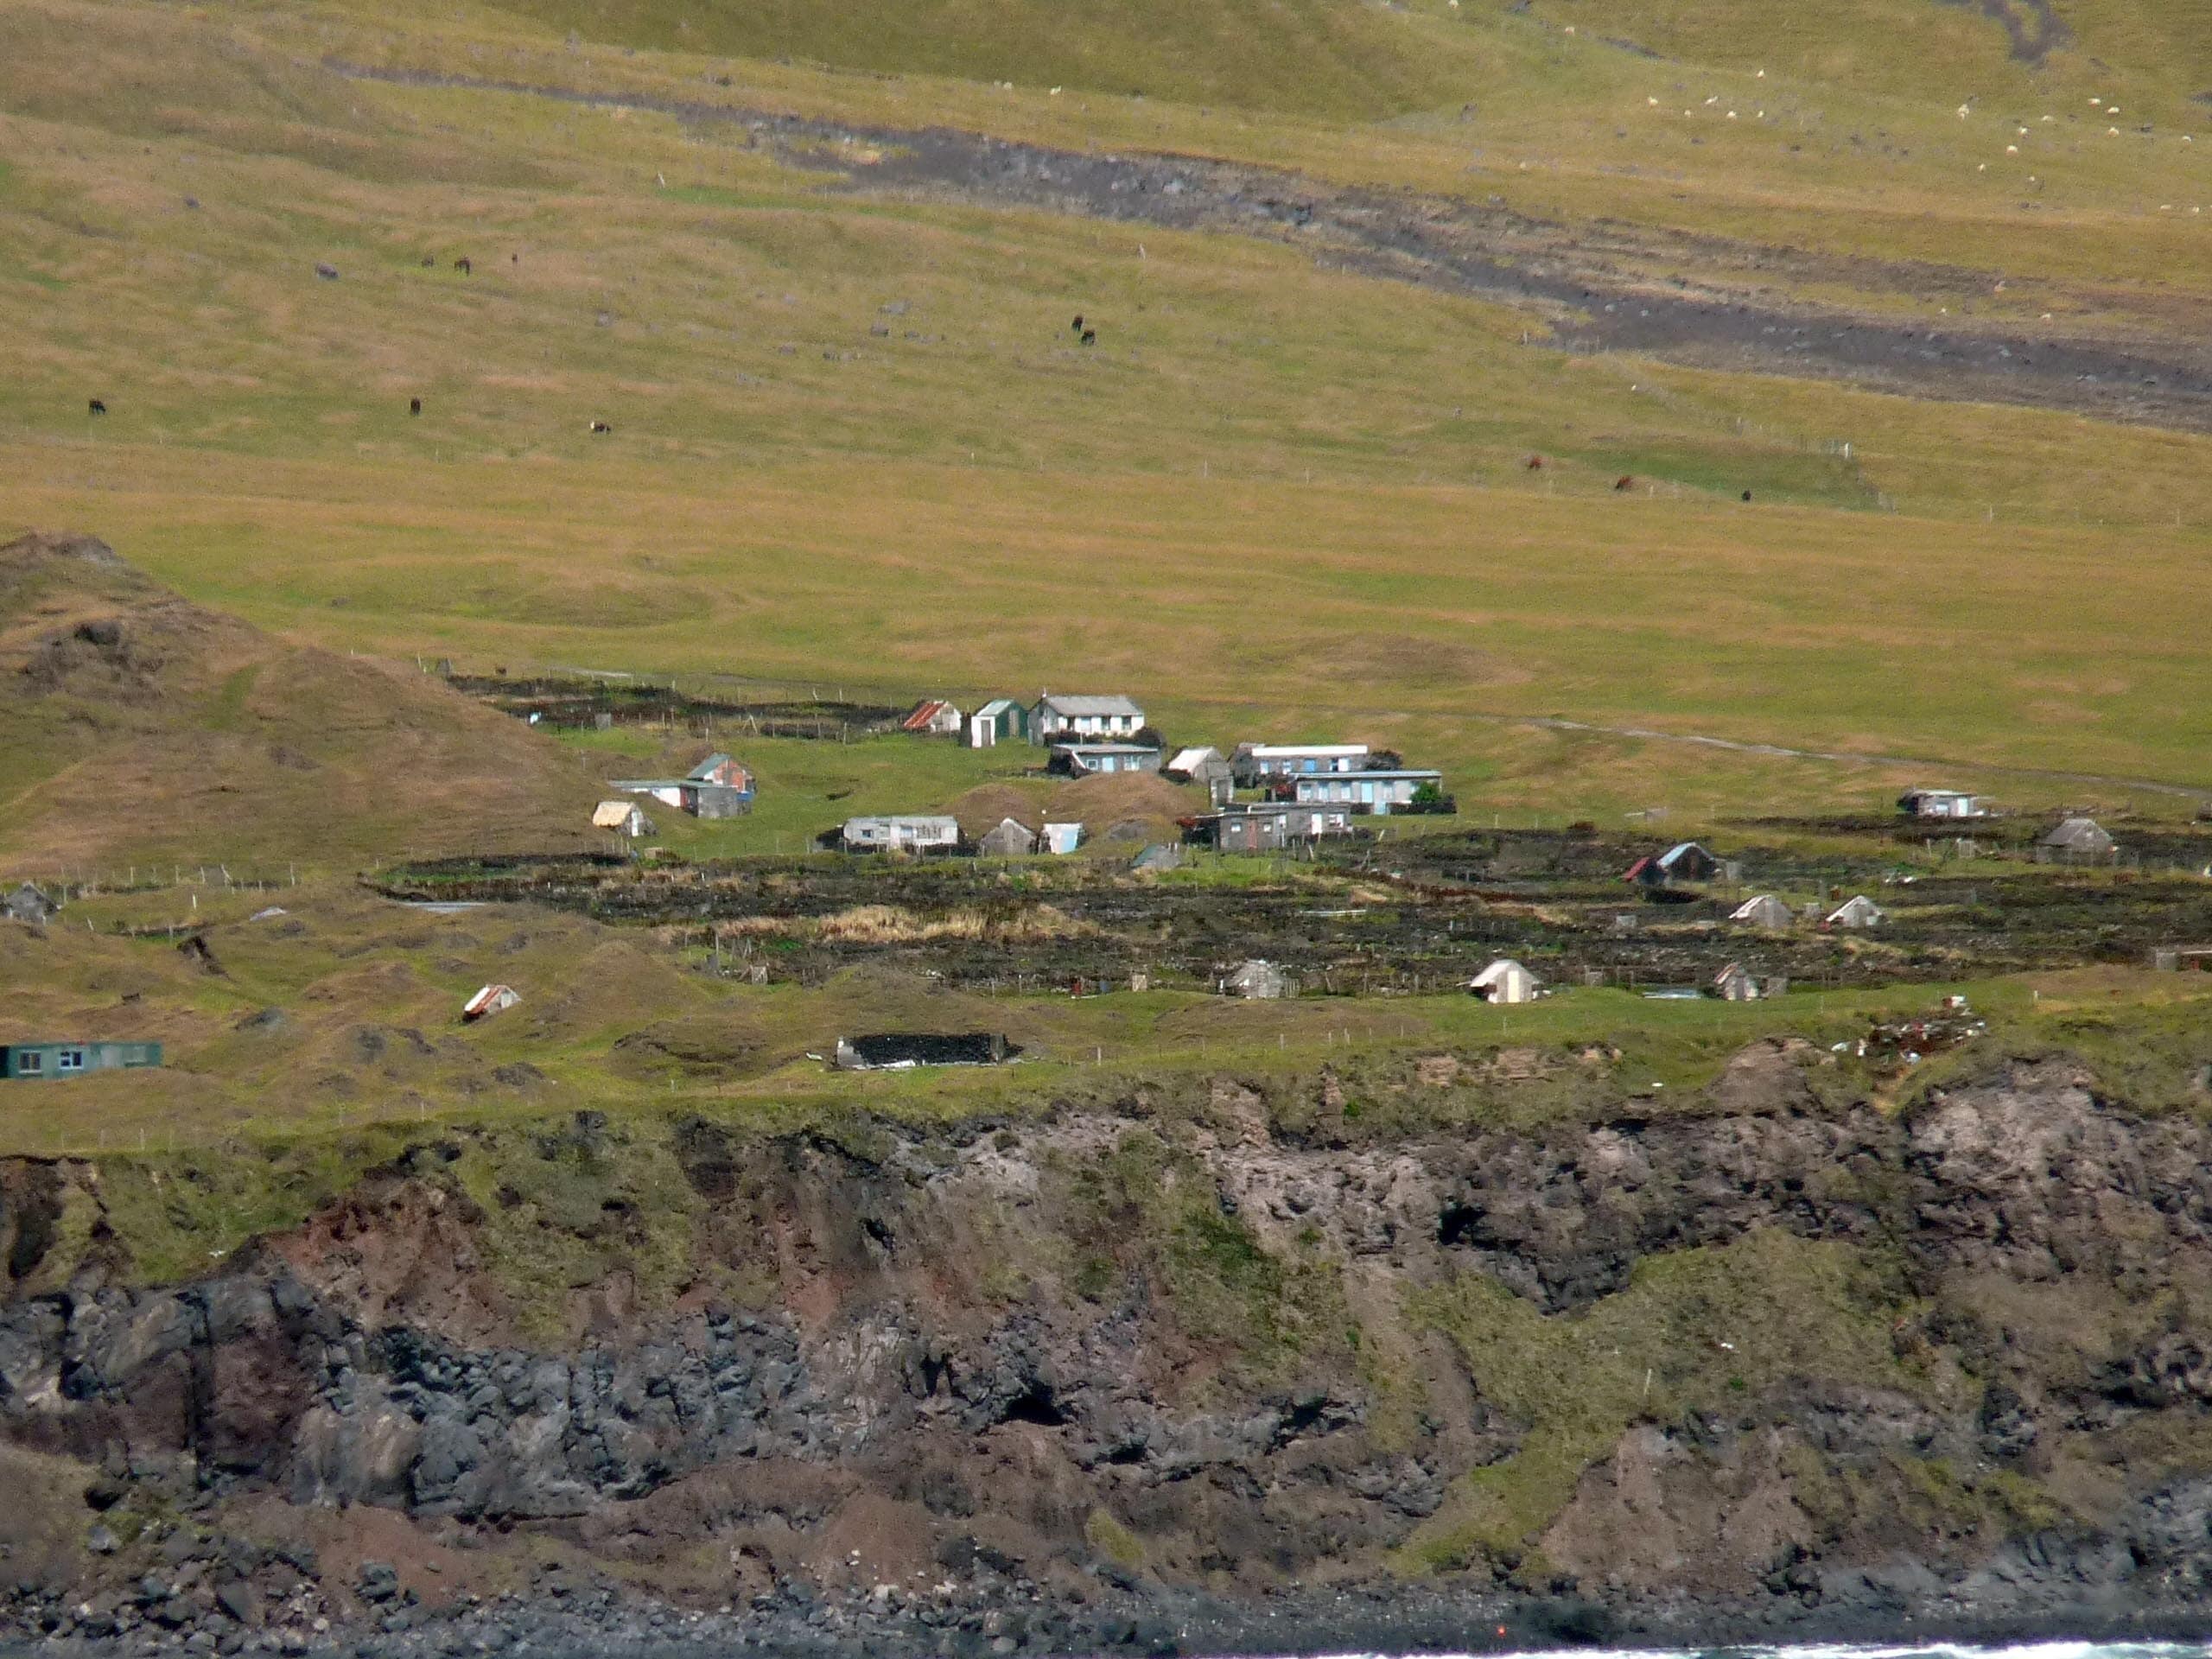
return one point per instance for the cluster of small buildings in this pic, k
(718, 787)
(919, 833)
(2073, 839)
(1304, 792)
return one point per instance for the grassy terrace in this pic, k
(260, 1116)
(365, 1030)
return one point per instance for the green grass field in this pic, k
(858, 452)
(853, 442)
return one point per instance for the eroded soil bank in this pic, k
(1277, 1363)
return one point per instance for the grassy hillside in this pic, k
(1324, 58)
(138, 729)
(855, 439)
(1346, 60)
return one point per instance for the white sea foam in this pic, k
(1848, 1650)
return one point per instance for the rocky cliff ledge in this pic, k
(1773, 1358)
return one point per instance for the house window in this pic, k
(70, 1059)
(29, 1065)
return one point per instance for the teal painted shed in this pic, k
(32, 1060)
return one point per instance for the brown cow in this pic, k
(1625, 482)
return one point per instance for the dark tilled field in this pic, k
(581, 703)
(1442, 908)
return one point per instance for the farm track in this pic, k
(1593, 289)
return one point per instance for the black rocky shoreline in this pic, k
(185, 1610)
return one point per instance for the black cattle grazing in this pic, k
(600, 426)
(328, 272)
(463, 266)
(1747, 495)
(1535, 463)
(95, 407)
(414, 406)
(1077, 326)
(1091, 336)
(428, 260)
(1623, 482)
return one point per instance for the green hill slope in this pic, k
(1355, 60)
(853, 435)
(138, 728)
(1332, 59)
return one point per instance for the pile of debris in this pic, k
(1897, 1043)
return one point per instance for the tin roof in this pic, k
(1075, 706)
(925, 712)
(930, 823)
(490, 996)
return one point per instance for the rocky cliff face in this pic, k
(1773, 1350)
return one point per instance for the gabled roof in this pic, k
(1497, 970)
(36, 894)
(998, 705)
(1279, 750)
(1192, 759)
(1253, 967)
(1679, 850)
(1857, 904)
(933, 823)
(926, 713)
(612, 815)
(491, 996)
(1756, 901)
(1075, 706)
(705, 770)
(1731, 971)
(2077, 832)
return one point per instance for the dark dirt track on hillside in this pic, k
(1590, 285)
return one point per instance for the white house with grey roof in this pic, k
(1058, 715)
(919, 833)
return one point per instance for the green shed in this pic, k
(74, 1059)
